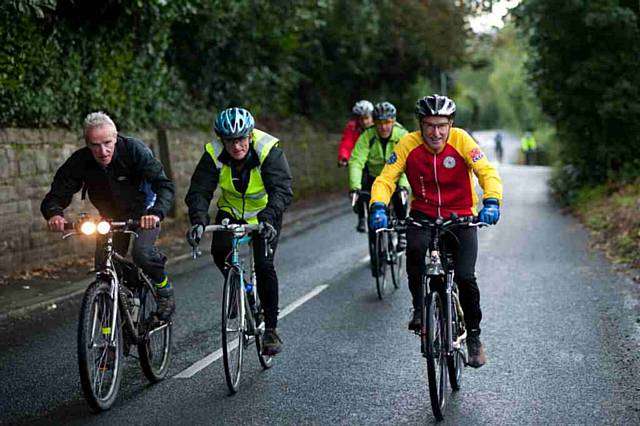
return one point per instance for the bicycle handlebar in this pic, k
(130, 226)
(470, 221)
(355, 195)
(236, 228)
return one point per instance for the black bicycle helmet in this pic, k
(384, 111)
(437, 105)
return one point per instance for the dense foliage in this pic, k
(171, 63)
(583, 62)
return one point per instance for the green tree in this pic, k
(583, 60)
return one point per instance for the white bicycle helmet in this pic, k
(362, 108)
(435, 105)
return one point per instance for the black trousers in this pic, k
(265, 269)
(145, 254)
(464, 257)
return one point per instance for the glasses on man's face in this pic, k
(432, 127)
(235, 141)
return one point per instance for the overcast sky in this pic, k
(484, 23)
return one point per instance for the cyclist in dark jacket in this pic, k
(123, 180)
(255, 179)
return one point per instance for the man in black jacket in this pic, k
(123, 181)
(255, 179)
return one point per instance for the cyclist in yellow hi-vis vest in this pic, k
(254, 176)
(529, 146)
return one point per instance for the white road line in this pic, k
(364, 259)
(214, 356)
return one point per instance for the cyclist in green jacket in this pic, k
(373, 148)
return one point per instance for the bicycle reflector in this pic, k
(88, 228)
(103, 227)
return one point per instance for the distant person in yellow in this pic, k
(528, 146)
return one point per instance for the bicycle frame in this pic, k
(108, 273)
(436, 268)
(240, 237)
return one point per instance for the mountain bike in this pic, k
(118, 311)
(442, 328)
(242, 316)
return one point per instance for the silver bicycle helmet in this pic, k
(362, 108)
(435, 105)
(234, 123)
(384, 111)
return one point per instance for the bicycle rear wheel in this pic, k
(397, 260)
(154, 346)
(233, 326)
(436, 354)
(99, 347)
(265, 360)
(381, 264)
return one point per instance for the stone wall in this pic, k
(30, 158)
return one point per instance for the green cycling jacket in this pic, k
(368, 152)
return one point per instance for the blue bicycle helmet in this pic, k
(233, 123)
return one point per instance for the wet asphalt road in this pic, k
(561, 330)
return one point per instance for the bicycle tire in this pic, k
(397, 260)
(456, 361)
(266, 361)
(99, 361)
(233, 327)
(436, 354)
(154, 346)
(381, 266)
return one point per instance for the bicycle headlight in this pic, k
(88, 228)
(103, 227)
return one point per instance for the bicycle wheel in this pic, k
(382, 268)
(233, 325)
(455, 362)
(397, 260)
(436, 354)
(265, 360)
(99, 347)
(154, 346)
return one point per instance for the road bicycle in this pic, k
(242, 316)
(386, 260)
(442, 329)
(118, 311)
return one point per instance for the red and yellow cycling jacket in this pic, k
(441, 183)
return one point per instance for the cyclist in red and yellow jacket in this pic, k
(440, 161)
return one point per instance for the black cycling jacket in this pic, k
(114, 190)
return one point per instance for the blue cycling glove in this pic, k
(377, 216)
(491, 212)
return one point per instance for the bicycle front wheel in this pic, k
(455, 362)
(233, 325)
(381, 264)
(99, 347)
(154, 346)
(436, 354)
